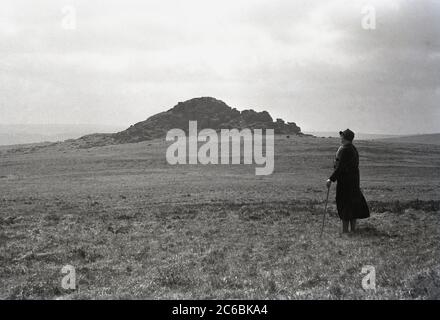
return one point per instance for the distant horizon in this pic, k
(122, 126)
(374, 133)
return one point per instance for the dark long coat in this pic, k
(350, 201)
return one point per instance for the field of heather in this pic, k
(135, 227)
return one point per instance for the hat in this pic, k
(347, 134)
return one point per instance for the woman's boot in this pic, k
(353, 225)
(345, 226)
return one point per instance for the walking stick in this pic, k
(325, 211)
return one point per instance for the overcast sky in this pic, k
(305, 61)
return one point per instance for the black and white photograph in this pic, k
(205, 150)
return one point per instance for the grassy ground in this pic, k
(135, 227)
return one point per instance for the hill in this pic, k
(418, 138)
(207, 111)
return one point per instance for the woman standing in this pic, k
(350, 201)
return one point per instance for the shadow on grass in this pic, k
(370, 231)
